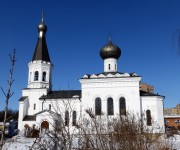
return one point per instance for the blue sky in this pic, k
(146, 31)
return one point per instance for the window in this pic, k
(49, 106)
(66, 118)
(110, 107)
(122, 106)
(115, 67)
(166, 122)
(74, 118)
(177, 121)
(44, 76)
(148, 116)
(34, 106)
(109, 66)
(98, 106)
(36, 76)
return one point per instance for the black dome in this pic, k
(110, 51)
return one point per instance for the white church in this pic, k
(111, 92)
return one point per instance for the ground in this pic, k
(20, 142)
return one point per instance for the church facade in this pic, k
(110, 92)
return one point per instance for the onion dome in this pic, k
(110, 51)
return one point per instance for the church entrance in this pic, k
(44, 125)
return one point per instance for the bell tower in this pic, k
(40, 68)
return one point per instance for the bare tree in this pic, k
(8, 94)
(102, 132)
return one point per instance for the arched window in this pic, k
(148, 117)
(49, 106)
(98, 106)
(110, 107)
(122, 106)
(66, 118)
(34, 106)
(109, 66)
(36, 76)
(44, 76)
(74, 118)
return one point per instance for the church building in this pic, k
(110, 92)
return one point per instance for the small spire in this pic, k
(109, 38)
(42, 16)
(110, 41)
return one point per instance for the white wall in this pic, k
(110, 65)
(114, 88)
(40, 66)
(155, 105)
(33, 96)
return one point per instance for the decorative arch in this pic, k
(122, 106)
(98, 106)
(148, 117)
(45, 125)
(110, 106)
(36, 76)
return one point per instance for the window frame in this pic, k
(44, 76)
(98, 106)
(74, 118)
(148, 118)
(66, 118)
(110, 106)
(122, 106)
(36, 76)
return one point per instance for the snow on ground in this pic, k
(19, 142)
(175, 141)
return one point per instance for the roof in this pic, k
(143, 93)
(22, 98)
(110, 51)
(62, 94)
(46, 110)
(41, 50)
(29, 118)
(111, 75)
(171, 116)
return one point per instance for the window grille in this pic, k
(44, 76)
(110, 106)
(36, 76)
(66, 118)
(148, 115)
(74, 118)
(122, 105)
(98, 106)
